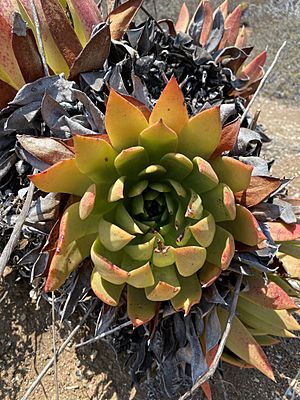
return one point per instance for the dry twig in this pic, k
(104, 334)
(38, 379)
(262, 82)
(54, 348)
(226, 332)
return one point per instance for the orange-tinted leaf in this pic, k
(241, 40)
(233, 172)
(267, 295)
(62, 177)
(244, 228)
(170, 107)
(232, 26)
(61, 30)
(228, 138)
(243, 344)
(207, 22)
(253, 69)
(121, 17)
(138, 104)
(183, 19)
(224, 9)
(107, 292)
(25, 48)
(124, 122)
(90, 58)
(85, 15)
(259, 189)
(281, 232)
(201, 135)
(208, 274)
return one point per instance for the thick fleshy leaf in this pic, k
(194, 209)
(139, 276)
(90, 58)
(9, 68)
(291, 248)
(124, 122)
(170, 108)
(268, 295)
(66, 261)
(158, 140)
(207, 22)
(224, 9)
(220, 202)
(25, 48)
(228, 138)
(112, 237)
(266, 340)
(183, 19)
(221, 250)
(62, 177)
(87, 202)
(85, 15)
(189, 259)
(208, 274)
(203, 178)
(125, 221)
(280, 319)
(166, 284)
(140, 309)
(61, 30)
(235, 361)
(116, 191)
(95, 158)
(177, 165)
(281, 232)
(107, 268)
(48, 150)
(137, 189)
(153, 172)
(190, 294)
(131, 161)
(107, 292)
(120, 17)
(201, 135)
(233, 172)
(232, 26)
(72, 227)
(141, 251)
(163, 256)
(204, 230)
(253, 69)
(244, 227)
(243, 344)
(259, 189)
(241, 40)
(291, 265)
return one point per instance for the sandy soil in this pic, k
(94, 373)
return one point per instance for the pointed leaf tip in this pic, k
(170, 107)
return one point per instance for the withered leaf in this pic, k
(25, 48)
(121, 17)
(260, 188)
(94, 54)
(228, 138)
(48, 150)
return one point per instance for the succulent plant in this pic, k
(157, 204)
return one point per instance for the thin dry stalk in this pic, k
(38, 379)
(262, 82)
(219, 353)
(104, 334)
(14, 238)
(54, 348)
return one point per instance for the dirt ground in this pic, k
(93, 373)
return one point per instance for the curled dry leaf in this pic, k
(260, 188)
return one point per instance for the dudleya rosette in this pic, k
(157, 211)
